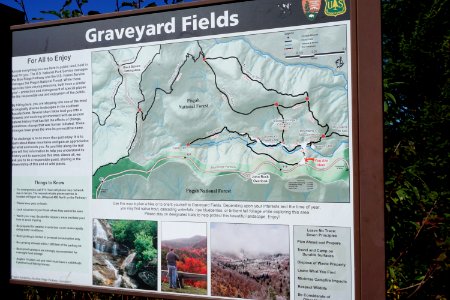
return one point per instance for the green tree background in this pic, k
(416, 79)
(416, 72)
(140, 236)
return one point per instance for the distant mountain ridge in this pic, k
(196, 242)
(240, 255)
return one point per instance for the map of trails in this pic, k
(260, 117)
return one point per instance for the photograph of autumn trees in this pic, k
(189, 246)
(250, 261)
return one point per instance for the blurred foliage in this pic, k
(40, 293)
(416, 72)
(74, 8)
(69, 9)
(143, 3)
(23, 8)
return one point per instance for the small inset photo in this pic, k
(250, 261)
(125, 254)
(184, 258)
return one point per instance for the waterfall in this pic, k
(99, 231)
(108, 255)
(118, 278)
(118, 281)
(114, 250)
(100, 247)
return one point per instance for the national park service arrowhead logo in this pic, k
(311, 8)
(334, 8)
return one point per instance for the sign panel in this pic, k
(201, 151)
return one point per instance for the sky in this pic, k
(253, 239)
(176, 230)
(33, 7)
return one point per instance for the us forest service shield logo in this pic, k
(334, 8)
(311, 8)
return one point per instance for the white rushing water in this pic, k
(99, 231)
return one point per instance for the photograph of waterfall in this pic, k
(184, 258)
(125, 253)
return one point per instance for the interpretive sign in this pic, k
(203, 150)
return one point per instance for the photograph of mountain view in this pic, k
(184, 249)
(125, 254)
(250, 261)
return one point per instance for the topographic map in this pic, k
(255, 117)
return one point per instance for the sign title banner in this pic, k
(209, 20)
